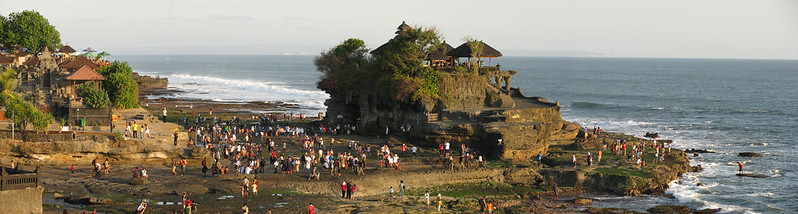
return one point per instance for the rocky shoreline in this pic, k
(518, 186)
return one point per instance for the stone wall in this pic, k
(21, 200)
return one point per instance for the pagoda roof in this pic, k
(464, 50)
(67, 49)
(85, 73)
(440, 53)
(78, 62)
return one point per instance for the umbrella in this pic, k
(104, 54)
(90, 54)
(89, 50)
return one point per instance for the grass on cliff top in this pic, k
(624, 172)
(485, 188)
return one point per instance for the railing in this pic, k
(18, 179)
(432, 117)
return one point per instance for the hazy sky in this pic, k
(623, 28)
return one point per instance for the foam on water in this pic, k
(221, 89)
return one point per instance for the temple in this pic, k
(481, 111)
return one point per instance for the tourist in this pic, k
(414, 149)
(574, 160)
(556, 190)
(740, 166)
(401, 188)
(390, 191)
(440, 202)
(245, 209)
(144, 172)
(540, 158)
(483, 205)
(187, 206)
(255, 187)
(349, 190)
(72, 170)
(107, 166)
(204, 165)
(183, 164)
(142, 207)
(343, 189)
(426, 198)
(311, 209)
(245, 187)
(175, 141)
(352, 189)
(174, 167)
(490, 207)
(135, 129)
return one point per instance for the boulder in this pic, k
(750, 154)
(139, 181)
(697, 168)
(583, 201)
(670, 209)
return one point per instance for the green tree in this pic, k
(24, 113)
(28, 29)
(343, 67)
(123, 91)
(476, 51)
(93, 96)
(403, 62)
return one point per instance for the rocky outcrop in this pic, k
(147, 82)
(750, 154)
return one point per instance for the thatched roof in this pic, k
(5, 60)
(440, 53)
(78, 62)
(67, 49)
(403, 27)
(85, 73)
(464, 50)
(46, 48)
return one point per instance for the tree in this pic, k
(476, 50)
(24, 113)
(28, 29)
(93, 96)
(343, 66)
(123, 91)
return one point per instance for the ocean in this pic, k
(724, 105)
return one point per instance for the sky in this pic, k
(765, 29)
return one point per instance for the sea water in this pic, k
(724, 105)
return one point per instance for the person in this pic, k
(204, 165)
(401, 188)
(490, 207)
(390, 191)
(349, 190)
(440, 202)
(482, 205)
(175, 138)
(426, 198)
(135, 129)
(142, 208)
(740, 166)
(183, 164)
(174, 167)
(245, 209)
(72, 170)
(540, 158)
(574, 160)
(245, 187)
(187, 206)
(255, 186)
(311, 209)
(343, 189)
(556, 190)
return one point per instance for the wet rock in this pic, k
(139, 181)
(750, 154)
(697, 168)
(670, 209)
(707, 211)
(583, 201)
(752, 175)
(697, 151)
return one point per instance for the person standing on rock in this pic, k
(175, 141)
(390, 191)
(183, 164)
(482, 205)
(440, 202)
(204, 166)
(574, 160)
(343, 189)
(401, 188)
(740, 166)
(164, 114)
(311, 209)
(556, 190)
(426, 198)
